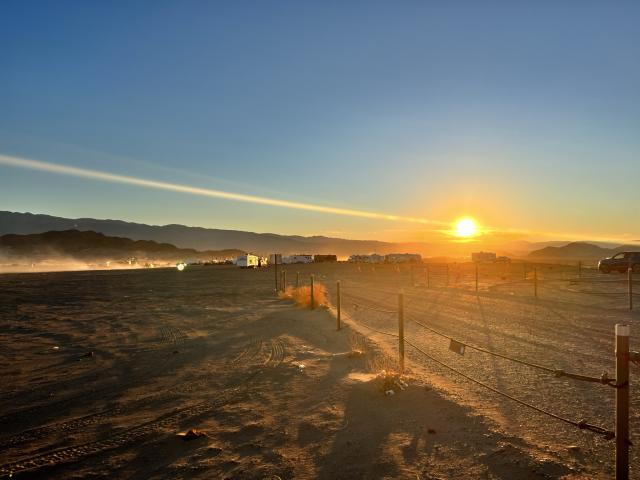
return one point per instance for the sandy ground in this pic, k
(102, 370)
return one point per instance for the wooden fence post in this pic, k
(630, 282)
(622, 401)
(312, 299)
(476, 277)
(338, 301)
(401, 332)
(297, 279)
(284, 280)
(579, 268)
(275, 263)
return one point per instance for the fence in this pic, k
(534, 277)
(620, 384)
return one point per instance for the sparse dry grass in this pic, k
(302, 295)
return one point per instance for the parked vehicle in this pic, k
(620, 262)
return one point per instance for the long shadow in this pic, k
(419, 432)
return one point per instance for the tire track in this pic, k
(75, 453)
(78, 452)
(61, 404)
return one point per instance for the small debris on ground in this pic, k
(192, 434)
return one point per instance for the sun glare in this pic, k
(466, 227)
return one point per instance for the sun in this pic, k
(466, 227)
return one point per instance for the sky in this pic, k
(522, 115)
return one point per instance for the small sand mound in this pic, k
(388, 381)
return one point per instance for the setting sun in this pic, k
(466, 227)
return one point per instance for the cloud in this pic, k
(206, 192)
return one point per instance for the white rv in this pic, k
(297, 259)
(248, 261)
(403, 258)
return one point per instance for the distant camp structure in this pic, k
(480, 257)
(488, 257)
(291, 259)
(251, 261)
(325, 258)
(390, 258)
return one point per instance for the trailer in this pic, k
(248, 261)
(325, 258)
(297, 259)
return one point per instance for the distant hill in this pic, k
(192, 237)
(579, 250)
(93, 246)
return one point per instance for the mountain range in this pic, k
(578, 251)
(203, 239)
(192, 237)
(97, 247)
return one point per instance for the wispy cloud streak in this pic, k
(205, 192)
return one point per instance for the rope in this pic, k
(589, 293)
(582, 424)
(377, 331)
(377, 307)
(557, 372)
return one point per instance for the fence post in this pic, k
(622, 401)
(312, 299)
(401, 332)
(284, 280)
(535, 281)
(630, 281)
(579, 268)
(275, 263)
(338, 298)
(297, 279)
(476, 277)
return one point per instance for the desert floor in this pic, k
(102, 370)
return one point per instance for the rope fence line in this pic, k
(623, 356)
(533, 274)
(604, 379)
(375, 329)
(367, 307)
(581, 424)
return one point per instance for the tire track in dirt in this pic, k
(276, 354)
(147, 373)
(78, 452)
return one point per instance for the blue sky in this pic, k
(522, 114)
